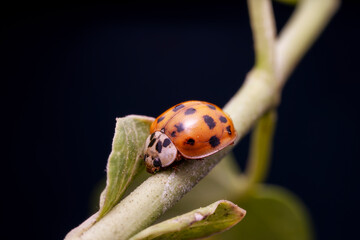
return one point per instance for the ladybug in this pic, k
(189, 130)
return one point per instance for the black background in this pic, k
(68, 71)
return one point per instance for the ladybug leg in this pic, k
(175, 165)
(178, 157)
(175, 168)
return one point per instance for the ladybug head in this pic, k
(159, 153)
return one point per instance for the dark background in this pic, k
(68, 71)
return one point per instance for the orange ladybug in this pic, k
(189, 130)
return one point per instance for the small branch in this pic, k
(264, 30)
(261, 148)
(253, 99)
(305, 25)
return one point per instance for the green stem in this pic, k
(251, 101)
(261, 148)
(305, 25)
(307, 22)
(263, 28)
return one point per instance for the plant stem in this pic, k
(263, 28)
(261, 148)
(300, 32)
(305, 25)
(251, 101)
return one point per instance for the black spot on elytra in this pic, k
(211, 106)
(152, 136)
(179, 127)
(162, 130)
(152, 142)
(160, 119)
(178, 107)
(190, 141)
(223, 119)
(173, 134)
(166, 142)
(209, 121)
(228, 129)
(190, 111)
(157, 162)
(214, 141)
(158, 146)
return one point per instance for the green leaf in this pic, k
(125, 158)
(199, 223)
(272, 213)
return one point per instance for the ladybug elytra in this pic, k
(189, 130)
